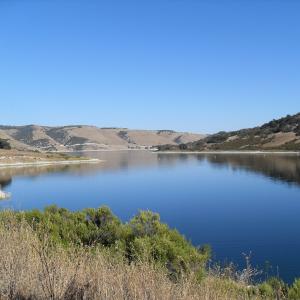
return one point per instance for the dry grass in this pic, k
(31, 268)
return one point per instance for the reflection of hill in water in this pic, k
(7, 174)
(112, 160)
(279, 167)
(5, 182)
(283, 167)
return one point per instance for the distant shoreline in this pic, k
(100, 150)
(49, 163)
(187, 152)
(228, 152)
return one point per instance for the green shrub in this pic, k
(273, 288)
(279, 287)
(266, 290)
(294, 290)
(4, 144)
(156, 241)
(143, 238)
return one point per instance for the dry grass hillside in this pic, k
(83, 138)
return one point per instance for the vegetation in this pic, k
(265, 137)
(4, 144)
(143, 238)
(91, 254)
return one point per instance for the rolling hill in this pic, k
(86, 138)
(281, 134)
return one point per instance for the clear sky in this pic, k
(192, 65)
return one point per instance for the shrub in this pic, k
(273, 288)
(266, 290)
(4, 144)
(144, 238)
(153, 240)
(33, 267)
(294, 290)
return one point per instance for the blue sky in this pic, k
(192, 65)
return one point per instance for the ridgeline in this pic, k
(280, 135)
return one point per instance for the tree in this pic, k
(4, 144)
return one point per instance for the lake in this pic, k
(237, 203)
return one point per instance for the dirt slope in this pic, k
(77, 138)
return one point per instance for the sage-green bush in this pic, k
(143, 238)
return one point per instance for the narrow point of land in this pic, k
(106, 150)
(15, 158)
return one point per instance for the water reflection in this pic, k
(8, 174)
(279, 167)
(4, 182)
(285, 168)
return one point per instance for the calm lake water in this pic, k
(237, 203)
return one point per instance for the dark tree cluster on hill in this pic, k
(286, 124)
(257, 138)
(4, 144)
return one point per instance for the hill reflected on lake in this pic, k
(284, 168)
(278, 167)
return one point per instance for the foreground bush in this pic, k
(58, 254)
(294, 291)
(144, 238)
(32, 267)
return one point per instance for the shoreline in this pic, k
(228, 152)
(48, 163)
(101, 150)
